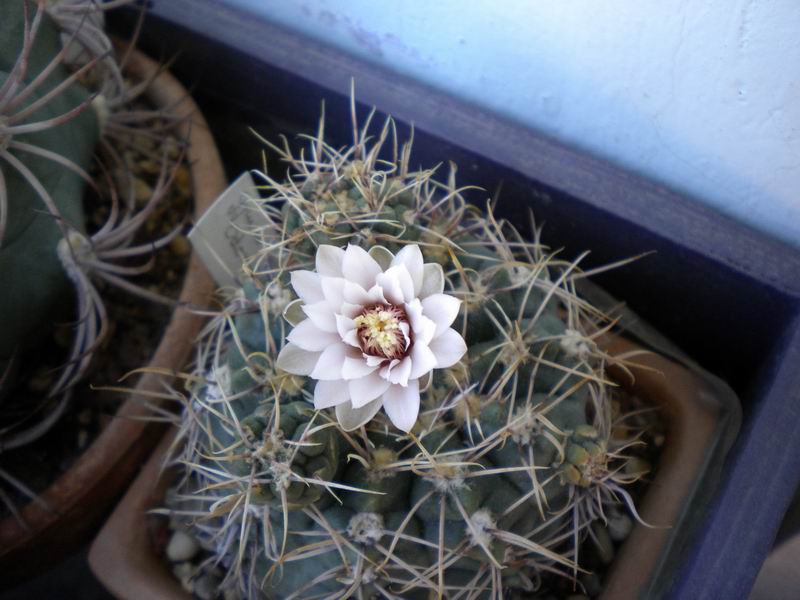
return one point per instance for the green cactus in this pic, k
(510, 464)
(31, 233)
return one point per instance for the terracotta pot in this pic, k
(80, 498)
(126, 561)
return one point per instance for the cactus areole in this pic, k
(497, 453)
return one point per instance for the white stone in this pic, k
(181, 547)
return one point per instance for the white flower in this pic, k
(368, 326)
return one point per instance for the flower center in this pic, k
(383, 331)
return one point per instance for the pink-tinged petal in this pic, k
(351, 338)
(329, 261)
(366, 389)
(307, 286)
(432, 280)
(442, 310)
(401, 372)
(297, 361)
(322, 315)
(402, 405)
(353, 293)
(376, 295)
(333, 290)
(307, 336)
(356, 368)
(387, 368)
(374, 361)
(330, 363)
(358, 266)
(448, 348)
(422, 360)
(351, 311)
(346, 327)
(423, 327)
(397, 285)
(330, 393)
(411, 258)
(406, 330)
(351, 418)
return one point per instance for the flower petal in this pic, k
(351, 311)
(352, 418)
(397, 284)
(374, 361)
(358, 266)
(293, 312)
(355, 294)
(307, 286)
(322, 315)
(330, 393)
(329, 261)
(448, 348)
(432, 280)
(422, 360)
(401, 372)
(356, 368)
(411, 257)
(402, 405)
(366, 389)
(423, 327)
(442, 309)
(297, 361)
(307, 336)
(330, 362)
(346, 327)
(382, 255)
(333, 290)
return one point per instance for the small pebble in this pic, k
(605, 549)
(619, 526)
(205, 587)
(183, 572)
(592, 585)
(141, 190)
(181, 547)
(230, 594)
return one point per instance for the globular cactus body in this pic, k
(483, 497)
(36, 281)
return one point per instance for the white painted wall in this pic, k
(702, 95)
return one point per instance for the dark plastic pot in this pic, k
(726, 295)
(80, 498)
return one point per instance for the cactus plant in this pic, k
(491, 489)
(56, 123)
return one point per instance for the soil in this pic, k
(136, 326)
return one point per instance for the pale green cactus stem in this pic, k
(47, 145)
(511, 461)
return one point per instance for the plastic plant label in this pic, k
(223, 237)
